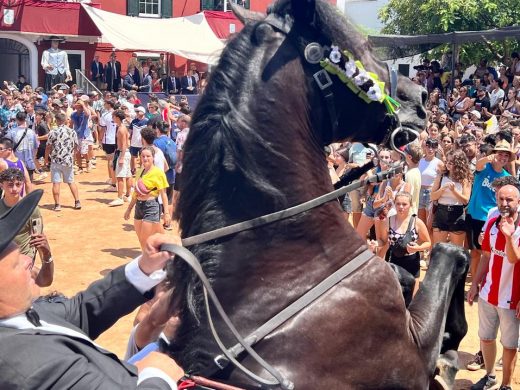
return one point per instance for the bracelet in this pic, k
(49, 260)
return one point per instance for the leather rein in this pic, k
(244, 344)
(230, 355)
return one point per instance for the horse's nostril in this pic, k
(424, 96)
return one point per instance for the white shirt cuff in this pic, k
(152, 372)
(139, 279)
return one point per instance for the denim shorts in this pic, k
(135, 150)
(424, 198)
(62, 173)
(491, 317)
(369, 210)
(147, 210)
(346, 205)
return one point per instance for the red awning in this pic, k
(51, 18)
(220, 22)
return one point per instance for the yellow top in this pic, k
(154, 180)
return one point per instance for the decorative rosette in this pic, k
(335, 55)
(364, 84)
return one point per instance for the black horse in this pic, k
(255, 147)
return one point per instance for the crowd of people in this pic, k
(460, 184)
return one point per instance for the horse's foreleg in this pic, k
(429, 308)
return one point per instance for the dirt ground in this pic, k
(88, 243)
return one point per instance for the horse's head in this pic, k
(345, 97)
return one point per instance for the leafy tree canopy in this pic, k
(414, 17)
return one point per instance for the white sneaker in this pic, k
(110, 189)
(127, 198)
(117, 202)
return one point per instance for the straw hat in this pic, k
(504, 146)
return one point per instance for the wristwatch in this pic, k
(49, 260)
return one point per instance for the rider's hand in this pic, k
(153, 259)
(162, 362)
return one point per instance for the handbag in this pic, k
(399, 248)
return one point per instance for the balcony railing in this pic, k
(84, 83)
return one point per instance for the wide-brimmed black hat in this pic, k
(55, 38)
(13, 219)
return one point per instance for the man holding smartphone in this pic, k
(30, 238)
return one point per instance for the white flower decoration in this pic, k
(361, 78)
(350, 68)
(374, 93)
(335, 55)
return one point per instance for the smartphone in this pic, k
(36, 226)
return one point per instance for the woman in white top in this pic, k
(451, 190)
(429, 167)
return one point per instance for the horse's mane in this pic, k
(222, 183)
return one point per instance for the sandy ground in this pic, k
(88, 243)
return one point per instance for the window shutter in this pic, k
(166, 8)
(132, 7)
(208, 5)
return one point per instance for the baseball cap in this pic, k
(141, 109)
(12, 221)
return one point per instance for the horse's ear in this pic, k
(303, 11)
(244, 15)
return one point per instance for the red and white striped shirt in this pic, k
(502, 284)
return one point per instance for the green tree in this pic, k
(414, 17)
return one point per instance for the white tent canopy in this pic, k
(190, 37)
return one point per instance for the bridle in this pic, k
(313, 53)
(244, 344)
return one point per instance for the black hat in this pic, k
(55, 38)
(15, 218)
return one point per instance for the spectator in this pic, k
(495, 96)
(129, 82)
(173, 83)
(406, 236)
(139, 123)
(498, 300)
(122, 159)
(80, 120)
(42, 133)
(70, 325)
(482, 199)
(146, 83)
(168, 148)
(482, 103)
(468, 144)
(429, 166)
(451, 191)
(30, 238)
(61, 145)
(459, 106)
(25, 143)
(189, 84)
(108, 141)
(413, 155)
(369, 211)
(9, 160)
(150, 184)
(97, 71)
(113, 74)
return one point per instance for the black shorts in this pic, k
(40, 153)
(449, 218)
(169, 193)
(411, 263)
(109, 148)
(178, 181)
(473, 230)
